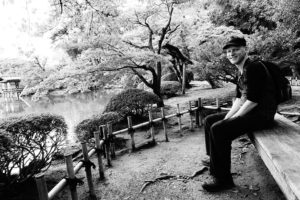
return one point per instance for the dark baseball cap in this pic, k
(236, 42)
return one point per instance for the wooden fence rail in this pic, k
(294, 81)
(104, 146)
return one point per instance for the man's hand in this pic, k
(245, 108)
(234, 108)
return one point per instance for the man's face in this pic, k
(236, 54)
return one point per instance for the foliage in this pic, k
(131, 39)
(27, 70)
(6, 153)
(272, 45)
(86, 128)
(288, 15)
(129, 80)
(172, 77)
(132, 102)
(247, 16)
(169, 77)
(212, 64)
(97, 36)
(170, 88)
(30, 141)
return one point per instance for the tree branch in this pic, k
(100, 12)
(37, 62)
(172, 31)
(165, 29)
(137, 46)
(142, 78)
(146, 24)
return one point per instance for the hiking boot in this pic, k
(206, 161)
(218, 185)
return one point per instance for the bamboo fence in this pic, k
(294, 81)
(104, 147)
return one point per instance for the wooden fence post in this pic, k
(41, 186)
(191, 115)
(200, 107)
(103, 147)
(218, 104)
(88, 164)
(131, 133)
(163, 117)
(183, 78)
(112, 141)
(151, 126)
(71, 177)
(107, 145)
(232, 100)
(179, 118)
(99, 154)
(197, 114)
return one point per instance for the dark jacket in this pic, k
(255, 85)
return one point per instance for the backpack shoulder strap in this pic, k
(266, 69)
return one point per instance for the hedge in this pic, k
(86, 128)
(28, 145)
(133, 102)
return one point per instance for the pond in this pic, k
(73, 108)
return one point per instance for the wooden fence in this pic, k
(294, 81)
(104, 147)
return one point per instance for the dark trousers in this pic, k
(219, 134)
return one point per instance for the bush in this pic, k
(172, 77)
(85, 129)
(28, 144)
(170, 88)
(6, 153)
(189, 76)
(132, 102)
(169, 77)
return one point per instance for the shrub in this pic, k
(169, 77)
(6, 154)
(28, 144)
(189, 76)
(133, 102)
(170, 88)
(86, 128)
(172, 77)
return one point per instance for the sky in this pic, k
(17, 22)
(18, 19)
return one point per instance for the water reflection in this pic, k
(73, 108)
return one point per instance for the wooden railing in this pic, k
(104, 146)
(294, 81)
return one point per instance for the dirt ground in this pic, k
(179, 159)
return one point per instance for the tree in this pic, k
(246, 15)
(179, 62)
(273, 26)
(140, 48)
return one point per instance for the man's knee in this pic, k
(222, 131)
(216, 128)
(206, 121)
(209, 120)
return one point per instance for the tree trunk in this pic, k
(156, 89)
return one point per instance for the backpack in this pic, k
(282, 84)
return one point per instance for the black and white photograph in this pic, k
(149, 99)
